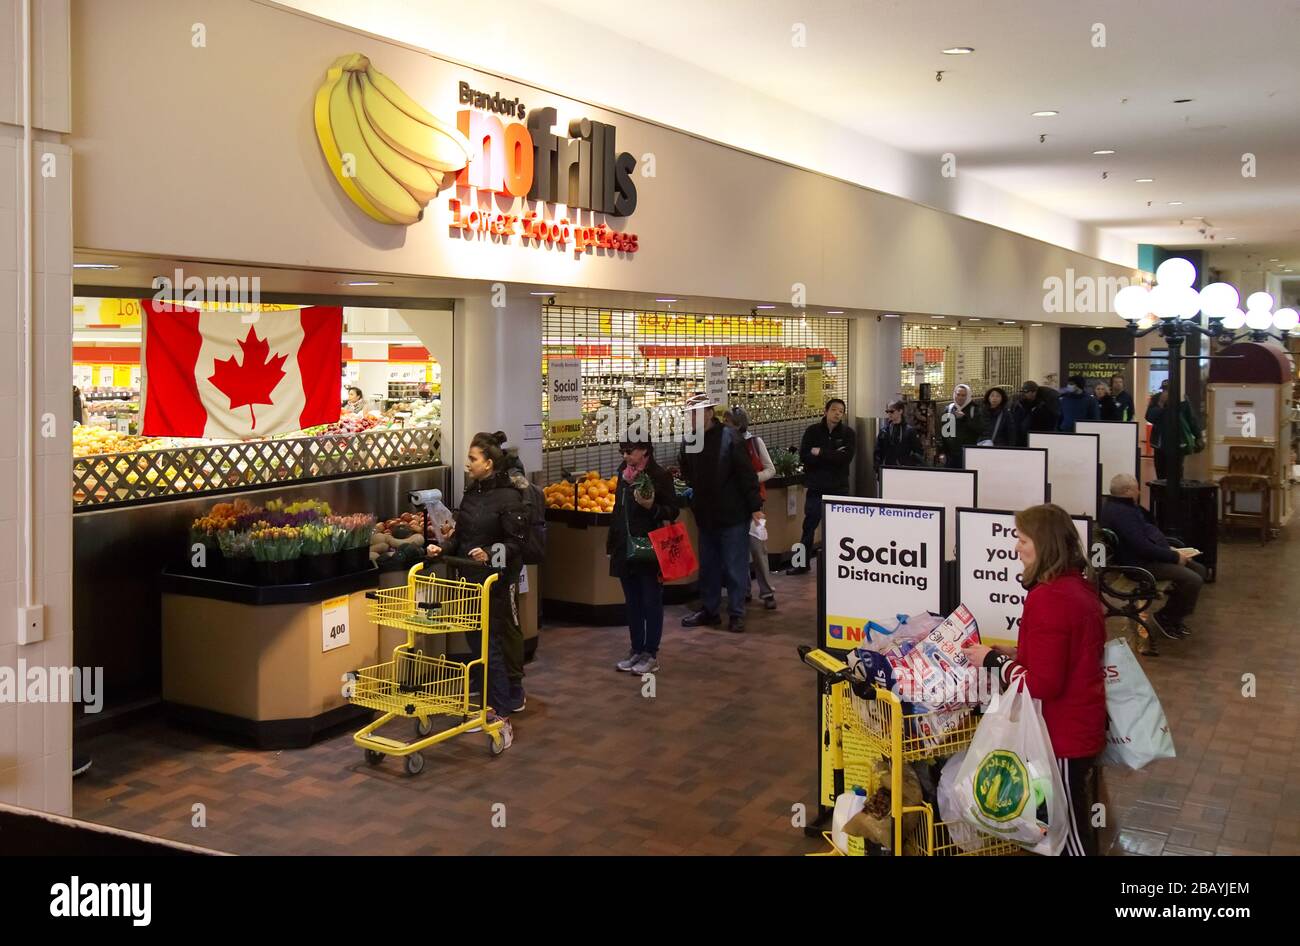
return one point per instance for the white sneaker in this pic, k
(627, 663)
(647, 663)
(507, 735)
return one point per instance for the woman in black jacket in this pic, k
(638, 514)
(490, 527)
(999, 426)
(898, 443)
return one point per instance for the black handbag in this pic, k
(639, 549)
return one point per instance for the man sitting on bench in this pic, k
(1142, 544)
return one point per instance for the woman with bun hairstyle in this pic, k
(491, 525)
(1059, 658)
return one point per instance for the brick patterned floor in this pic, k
(713, 763)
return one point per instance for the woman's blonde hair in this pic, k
(1056, 542)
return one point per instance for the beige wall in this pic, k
(211, 154)
(36, 738)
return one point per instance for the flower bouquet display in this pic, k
(276, 550)
(356, 542)
(321, 544)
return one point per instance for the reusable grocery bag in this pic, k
(1136, 729)
(1008, 784)
(673, 549)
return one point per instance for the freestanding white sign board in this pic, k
(1120, 445)
(1073, 470)
(1009, 477)
(882, 559)
(989, 572)
(950, 489)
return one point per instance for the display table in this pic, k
(251, 662)
(575, 579)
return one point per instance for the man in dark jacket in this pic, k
(1123, 399)
(898, 443)
(826, 451)
(724, 498)
(1035, 411)
(1142, 544)
(1077, 404)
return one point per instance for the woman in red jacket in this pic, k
(1062, 635)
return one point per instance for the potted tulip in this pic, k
(276, 550)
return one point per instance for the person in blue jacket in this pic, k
(1077, 404)
(1141, 543)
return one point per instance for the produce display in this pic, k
(89, 440)
(399, 541)
(594, 494)
(236, 535)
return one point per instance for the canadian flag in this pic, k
(236, 375)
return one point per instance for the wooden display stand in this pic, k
(575, 576)
(784, 528)
(259, 671)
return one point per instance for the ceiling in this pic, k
(869, 66)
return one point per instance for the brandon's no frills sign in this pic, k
(989, 571)
(882, 560)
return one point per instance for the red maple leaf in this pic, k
(253, 381)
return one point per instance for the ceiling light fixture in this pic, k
(834, 311)
(666, 299)
(764, 307)
(959, 50)
(541, 293)
(364, 282)
(95, 266)
(1275, 260)
(1104, 151)
(1045, 113)
(1175, 203)
(891, 315)
(1143, 180)
(938, 316)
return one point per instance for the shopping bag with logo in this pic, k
(673, 549)
(1136, 729)
(1008, 784)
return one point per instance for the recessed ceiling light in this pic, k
(1275, 261)
(1035, 324)
(764, 307)
(891, 315)
(1230, 238)
(1007, 322)
(938, 316)
(1143, 180)
(1104, 151)
(666, 299)
(1183, 101)
(364, 282)
(541, 293)
(959, 50)
(95, 266)
(1045, 113)
(834, 311)
(1175, 203)
(974, 320)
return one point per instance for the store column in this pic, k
(1042, 355)
(875, 353)
(35, 461)
(497, 373)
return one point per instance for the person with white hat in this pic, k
(716, 465)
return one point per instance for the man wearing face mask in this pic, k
(898, 443)
(959, 426)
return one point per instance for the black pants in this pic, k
(1160, 462)
(1186, 589)
(812, 517)
(1080, 777)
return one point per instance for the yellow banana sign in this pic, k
(389, 154)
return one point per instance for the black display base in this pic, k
(188, 583)
(271, 733)
(608, 615)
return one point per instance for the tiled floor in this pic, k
(714, 762)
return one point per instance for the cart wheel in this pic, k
(496, 745)
(414, 763)
(374, 757)
(424, 726)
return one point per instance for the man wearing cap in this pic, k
(1035, 411)
(725, 499)
(826, 451)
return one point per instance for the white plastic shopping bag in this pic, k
(1008, 784)
(758, 529)
(963, 835)
(1136, 729)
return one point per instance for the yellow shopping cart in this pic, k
(419, 687)
(868, 725)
